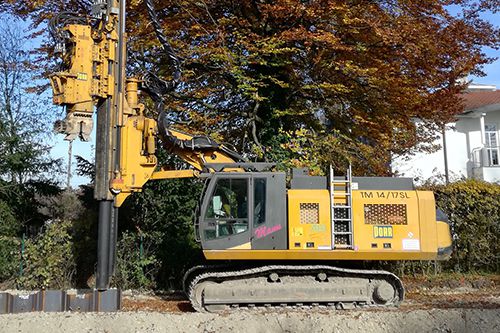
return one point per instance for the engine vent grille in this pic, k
(392, 214)
(309, 213)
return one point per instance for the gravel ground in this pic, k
(463, 306)
(434, 320)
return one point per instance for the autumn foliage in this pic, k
(309, 82)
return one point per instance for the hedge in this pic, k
(473, 208)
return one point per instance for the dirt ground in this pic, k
(447, 305)
(473, 292)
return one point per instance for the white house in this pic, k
(470, 146)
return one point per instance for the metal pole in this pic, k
(103, 273)
(21, 264)
(70, 155)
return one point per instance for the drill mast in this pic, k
(93, 76)
(93, 52)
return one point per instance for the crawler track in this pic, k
(212, 289)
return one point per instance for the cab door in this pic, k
(224, 220)
(268, 211)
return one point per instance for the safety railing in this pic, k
(485, 157)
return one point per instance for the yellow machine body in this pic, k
(387, 225)
(309, 226)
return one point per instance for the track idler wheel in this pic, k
(384, 293)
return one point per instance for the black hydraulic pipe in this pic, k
(103, 240)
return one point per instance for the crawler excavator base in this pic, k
(293, 286)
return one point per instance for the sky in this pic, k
(492, 70)
(85, 149)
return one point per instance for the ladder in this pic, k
(341, 210)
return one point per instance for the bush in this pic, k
(136, 266)
(163, 212)
(65, 206)
(474, 210)
(9, 257)
(48, 258)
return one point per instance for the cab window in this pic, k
(259, 200)
(227, 210)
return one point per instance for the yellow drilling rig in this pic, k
(277, 240)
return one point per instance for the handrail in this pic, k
(480, 157)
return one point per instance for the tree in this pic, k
(23, 123)
(315, 82)
(9, 243)
(160, 221)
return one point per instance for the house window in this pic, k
(491, 140)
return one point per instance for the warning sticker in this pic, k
(298, 232)
(411, 244)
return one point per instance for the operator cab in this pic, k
(244, 210)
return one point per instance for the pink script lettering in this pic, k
(265, 231)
